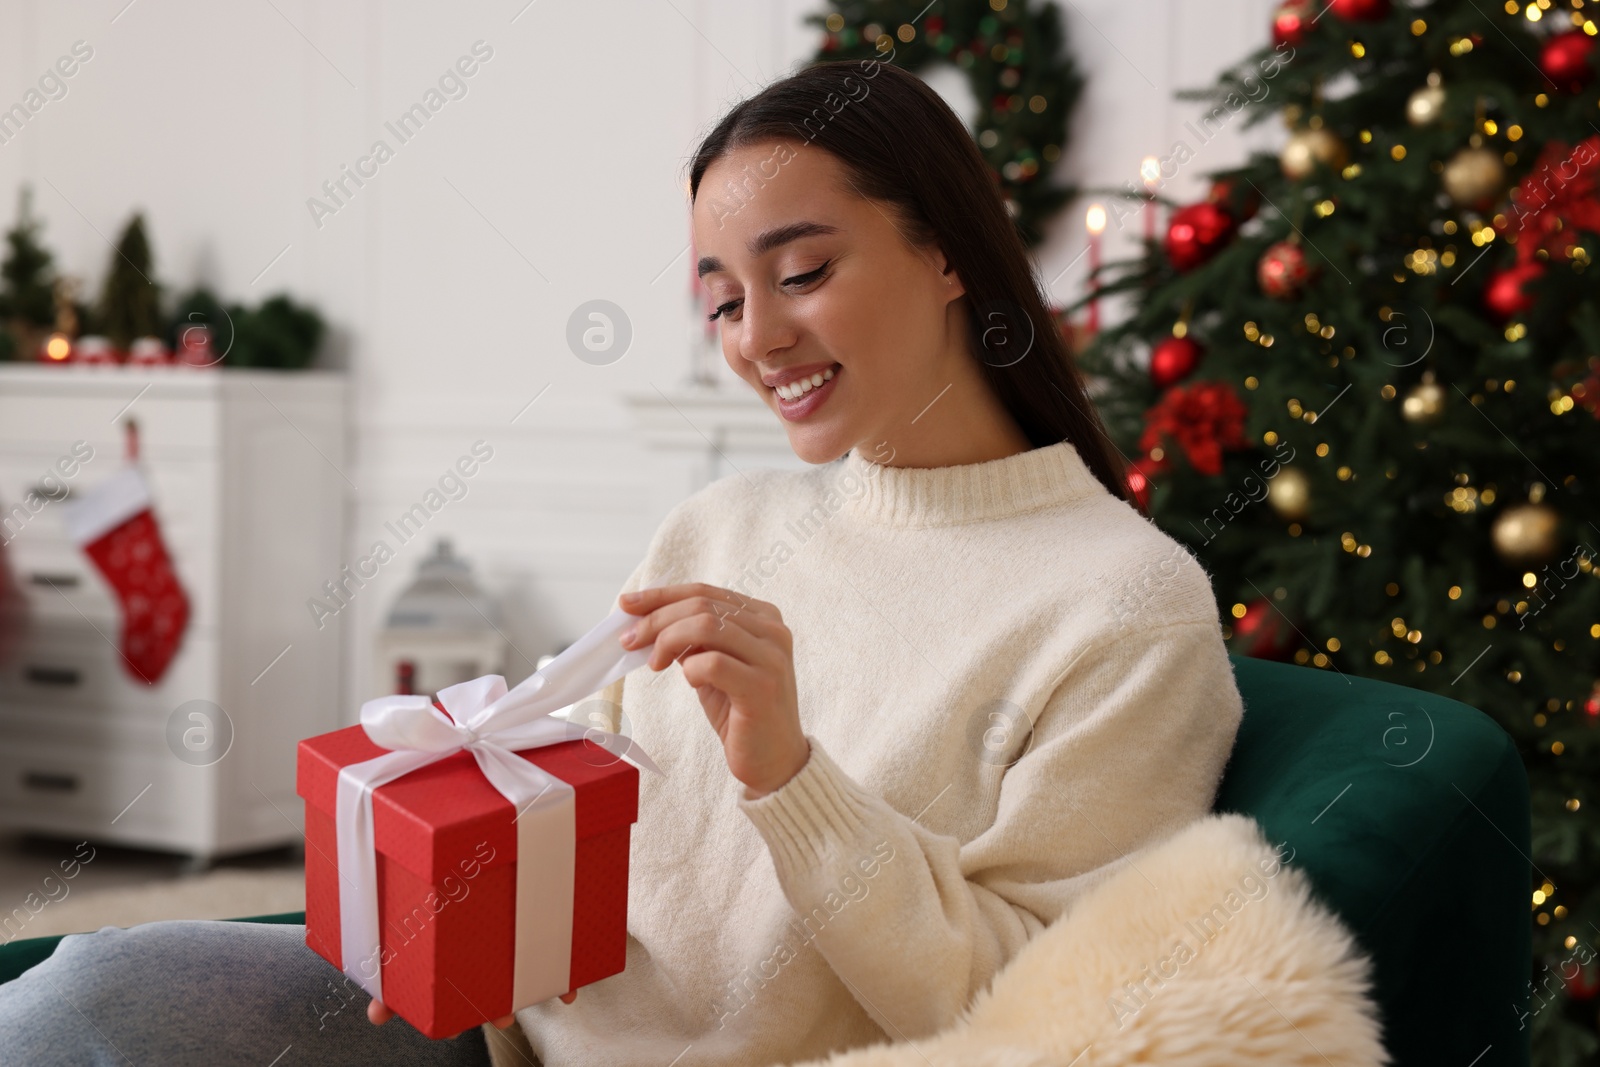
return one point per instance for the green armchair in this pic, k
(1408, 811)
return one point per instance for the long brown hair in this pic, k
(903, 146)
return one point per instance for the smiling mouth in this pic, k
(800, 387)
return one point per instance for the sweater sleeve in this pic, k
(1129, 746)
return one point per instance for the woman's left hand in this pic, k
(739, 656)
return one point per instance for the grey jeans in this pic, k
(204, 992)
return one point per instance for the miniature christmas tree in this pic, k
(130, 302)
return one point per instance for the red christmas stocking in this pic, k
(113, 524)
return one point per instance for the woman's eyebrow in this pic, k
(767, 240)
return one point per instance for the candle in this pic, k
(1150, 173)
(1095, 221)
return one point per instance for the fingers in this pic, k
(701, 632)
(647, 600)
(721, 615)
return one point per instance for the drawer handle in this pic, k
(62, 492)
(55, 581)
(57, 676)
(48, 782)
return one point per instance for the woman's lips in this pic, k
(802, 406)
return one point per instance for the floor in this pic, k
(122, 886)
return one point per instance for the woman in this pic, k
(952, 679)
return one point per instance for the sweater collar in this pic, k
(967, 492)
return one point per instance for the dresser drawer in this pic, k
(54, 414)
(58, 666)
(64, 587)
(89, 792)
(184, 496)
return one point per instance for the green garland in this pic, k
(1024, 82)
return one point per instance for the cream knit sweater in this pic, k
(1010, 679)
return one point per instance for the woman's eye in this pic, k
(810, 276)
(724, 310)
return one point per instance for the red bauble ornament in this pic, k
(1292, 21)
(1172, 360)
(1263, 633)
(1196, 232)
(1284, 271)
(1359, 10)
(1505, 295)
(1568, 60)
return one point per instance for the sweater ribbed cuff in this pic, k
(808, 818)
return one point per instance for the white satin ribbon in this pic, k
(492, 723)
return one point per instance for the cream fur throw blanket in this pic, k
(1203, 949)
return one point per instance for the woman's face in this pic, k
(805, 276)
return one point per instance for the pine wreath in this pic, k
(1023, 80)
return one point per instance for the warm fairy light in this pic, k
(58, 347)
(1150, 172)
(1095, 219)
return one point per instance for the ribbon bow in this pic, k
(491, 722)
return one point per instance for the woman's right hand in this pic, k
(379, 1012)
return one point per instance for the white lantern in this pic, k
(442, 629)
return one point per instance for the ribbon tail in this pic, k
(626, 748)
(587, 666)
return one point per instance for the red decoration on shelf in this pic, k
(1360, 10)
(96, 349)
(1284, 271)
(1263, 633)
(1196, 232)
(1204, 418)
(1567, 59)
(149, 352)
(1505, 295)
(1172, 360)
(1292, 21)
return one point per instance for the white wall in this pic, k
(447, 279)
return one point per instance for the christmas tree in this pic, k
(27, 298)
(130, 302)
(1361, 381)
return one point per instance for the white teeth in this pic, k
(802, 386)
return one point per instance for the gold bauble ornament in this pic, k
(1423, 403)
(1425, 104)
(1526, 533)
(1307, 148)
(1290, 494)
(1474, 177)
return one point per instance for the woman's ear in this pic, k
(952, 280)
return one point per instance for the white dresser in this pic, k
(248, 475)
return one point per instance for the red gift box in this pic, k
(446, 874)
